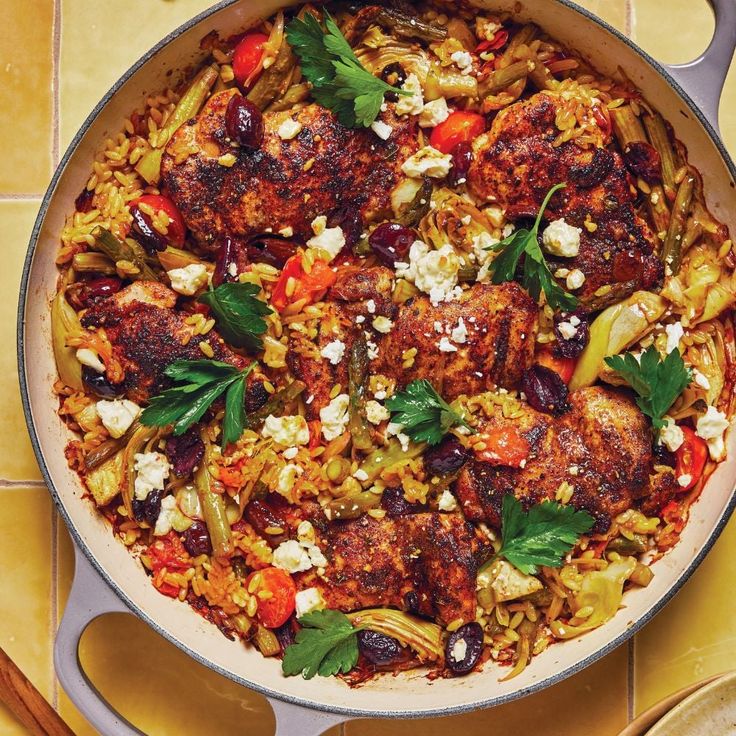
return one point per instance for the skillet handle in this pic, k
(90, 597)
(294, 720)
(704, 77)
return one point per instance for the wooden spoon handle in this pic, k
(26, 703)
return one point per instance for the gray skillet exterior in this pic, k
(341, 712)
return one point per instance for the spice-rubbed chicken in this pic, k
(602, 447)
(423, 562)
(516, 164)
(286, 183)
(147, 334)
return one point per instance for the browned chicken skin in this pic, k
(516, 165)
(148, 334)
(602, 447)
(285, 183)
(380, 562)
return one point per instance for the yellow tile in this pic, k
(25, 589)
(612, 11)
(695, 635)
(17, 461)
(25, 95)
(728, 113)
(591, 702)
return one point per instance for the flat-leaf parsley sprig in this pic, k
(536, 276)
(339, 81)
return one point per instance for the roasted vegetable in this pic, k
(100, 454)
(104, 482)
(138, 439)
(266, 641)
(213, 504)
(276, 404)
(352, 506)
(90, 262)
(65, 324)
(275, 80)
(358, 369)
(672, 248)
(385, 457)
(128, 251)
(172, 258)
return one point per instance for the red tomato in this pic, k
(505, 445)
(274, 610)
(564, 367)
(460, 127)
(308, 286)
(177, 228)
(690, 457)
(247, 58)
(498, 40)
(603, 119)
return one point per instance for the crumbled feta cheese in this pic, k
(438, 326)
(508, 228)
(334, 417)
(370, 305)
(290, 452)
(507, 582)
(483, 254)
(561, 239)
(434, 113)
(89, 358)
(287, 431)
(460, 332)
(414, 103)
(329, 239)
(167, 516)
(685, 480)
(372, 349)
(567, 330)
(710, 427)
(428, 161)
(292, 557)
(289, 129)
(382, 130)
(671, 436)
(118, 415)
(308, 600)
(447, 502)
(376, 413)
(701, 380)
(334, 351)
(188, 280)
(382, 325)
(152, 470)
(446, 346)
(394, 430)
(287, 232)
(232, 269)
(575, 279)
(674, 335)
(433, 271)
(463, 59)
(287, 477)
(361, 475)
(459, 650)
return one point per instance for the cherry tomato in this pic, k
(564, 367)
(275, 610)
(690, 458)
(460, 127)
(247, 58)
(505, 445)
(177, 228)
(309, 286)
(495, 43)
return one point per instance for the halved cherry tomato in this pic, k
(247, 58)
(498, 40)
(274, 610)
(563, 367)
(308, 286)
(690, 458)
(460, 127)
(177, 229)
(505, 445)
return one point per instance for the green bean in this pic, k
(127, 250)
(65, 324)
(384, 457)
(352, 506)
(404, 25)
(500, 79)
(660, 139)
(266, 641)
(672, 248)
(90, 262)
(419, 206)
(358, 368)
(274, 81)
(213, 505)
(276, 404)
(293, 96)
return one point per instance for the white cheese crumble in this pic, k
(298, 556)
(463, 59)
(671, 436)
(428, 161)
(166, 516)
(290, 452)
(287, 477)
(459, 650)
(432, 271)
(711, 427)
(447, 502)
(382, 325)
(685, 480)
(152, 470)
(561, 239)
(376, 413)
(674, 335)
(394, 430)
(567, 330)
(460, 331)
(701, 380)
(361, 475)
(334, 351)
(287, 431)
(575, 279)
(329, 239)
(334, 417)
(381, 129)
(482, 254)
(446, 346)
(308, 600)
(89, 358)
(117, 415)
(414, 103)
(289, 129)
(188, 280)
(434, 113)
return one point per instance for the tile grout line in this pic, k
(630, 22)
(54, 618)
(22, 196)
(631, 679)
(4, 483)
(55, 62)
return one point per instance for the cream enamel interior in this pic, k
(409, 694)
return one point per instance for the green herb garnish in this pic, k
(339, 80)
(200, 383)
(541, 536)
(536, 277)
(239, 315)
(657, 382)
(424, 415)
(326, 644)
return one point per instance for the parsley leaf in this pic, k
(536, 276)
(200, 383)
(541, 536)
(339, 81)
(424, 415)
(325, 645)
(658, 382)
(239, 315)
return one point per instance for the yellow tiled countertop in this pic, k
(57, 58)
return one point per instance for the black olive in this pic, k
(149, 509)
(285, 634)
(98, 384)
(270, 249)
(196, 540)
(394, 75)
(378, 648)
(447, 457)
(467, 644)
(411, 601)
(244, 122)
(394, 503)
(391, 242)
(663, 456)
(348, 218)
(462, 160)
(572, 347)
(545, 390)
(185, 452)
(143, 231)
(256, 396)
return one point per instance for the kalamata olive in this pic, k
(545, 390)
(462, 158)
(391, 242)
(256, 396)
(571, 346)
(380, 649)
(185, 452)
(464, 647)
(643, 160)
(394, 75)
(226, 262)
(145, 233)
(411, 601)
(84, 294)
(149, 509)
(261, 516)
(662, 456)
(347, 217)
(286, 634)
(394, 503)
(98, 384)
(447, 457)
(83, 203)
(270, 249)
(244, 122)
(196, 539)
